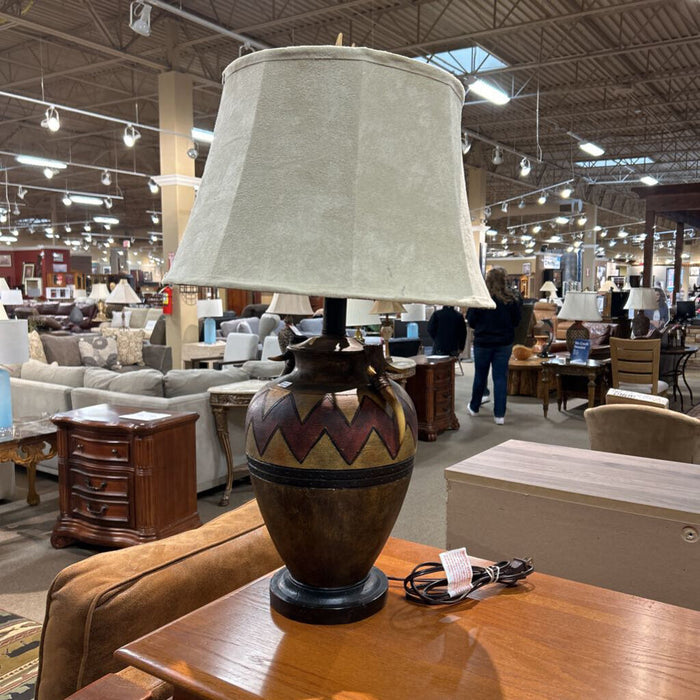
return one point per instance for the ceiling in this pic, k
(622, 74)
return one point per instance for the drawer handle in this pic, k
(80, 446)
(96, 511)
(115, 451)
(92, 487)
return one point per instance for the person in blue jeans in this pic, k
(494, 331)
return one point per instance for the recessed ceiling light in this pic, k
(648, 180)
(488, 92)
(591, 148)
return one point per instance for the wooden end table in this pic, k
(597, 372)
(202, 352)
(222, 399)
(29, 442)
(525, 376)
(546, 637)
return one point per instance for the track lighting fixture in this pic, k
(497, 157)
(466, 144)
(131, 135)
(487, 212)
(153, 186)
(15, 210)
(192, 151)
(49, 173)
(521, 204)
(542, 199)
(68, 228)
(110, 240)
(106, 178)
(14, 232)
(504, 207)
(536, 228)
(561, 220)
(67, 201)
(525, 167)
(108, 203)
(51, 120)
(87, 227)
(140, 18)
(565, 192)
(21, 192)
(155, 218)
(3, 217)
(582, 220)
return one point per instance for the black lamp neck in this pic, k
(334, 313)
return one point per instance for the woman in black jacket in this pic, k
(494, 330)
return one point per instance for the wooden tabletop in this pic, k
(545, 638)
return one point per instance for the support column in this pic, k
(175, 114)
(476, 196)
(677, 261)
(649, 249)
(588, 279)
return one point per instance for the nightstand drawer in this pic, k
(101, 511)
(105, 450)
(98, 482)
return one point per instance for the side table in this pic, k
(679, 358)
(124, 476)
(432, 390)
(28, 443)
(197, 352)
(221, 399)
(596, 371)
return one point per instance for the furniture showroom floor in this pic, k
(31, 563)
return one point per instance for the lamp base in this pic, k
(576, 331)
(640, 325)
(328, 606)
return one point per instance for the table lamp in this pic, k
(641, 299)
(121, 296)
(608, 286)
(14, 349)
(11, 297)
(288, 306)
(359, 315)
(330, 444)
(99, 293)
(208, 309)
(384, 309)
(550, 288)
(579, 307)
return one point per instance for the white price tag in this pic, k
(458, 569)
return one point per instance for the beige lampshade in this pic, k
(641, 299)
(209, 308)
(290, 305)
(626, 286)
(79, 294)
(580, 306)
(3, 284)
(13, 297)
(99, 291)
(608, 286)
(14, 342)
(358, 313)
(123, 294)
(549, 286)
(335, 171)
(387, 307)
(414, 312)
(3, 313)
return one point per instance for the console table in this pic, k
(202, 352)
(125, 476)
(546, 637)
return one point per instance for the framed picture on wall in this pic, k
(5, 260)
(33, 287)
(27, 271)
(527, 268)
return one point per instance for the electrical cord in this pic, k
(433, 591)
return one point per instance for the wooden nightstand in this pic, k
(124, 480)
(432, 390)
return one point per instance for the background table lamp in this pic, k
(208, 309)
(330, 444)
(579, 307)
(122, 295)
(385, 309)
(641, 299)
(3, 313)
(288, 306)
(359, 315)
(11, 297)
(14, 349)
(608, 286)
(3, 285)
(99, 293)
(550, 288)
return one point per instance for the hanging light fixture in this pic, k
(106, 177)
(542, 198)
(565, 192)
(51, 120)
(67, 201)
(536, 228)
(153, 186)
(87, 227)
(68, 228)
(15, 210)
(504, 207)
(525, 167)
(582, 220)
(49, 172)
(131, 135)
(561, 220)
(521, 204)
(592, 149)
(108, 202)
(155, 218)
(488, 92)
(497, 157)
(466, 144)
(21, 192)
(192, 151)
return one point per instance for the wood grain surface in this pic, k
(546, 638)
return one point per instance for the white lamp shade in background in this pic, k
(14, 342)
(290, 305)
(580, 306)
(123, 294)
(79, 294)
(549, 286)
(414, 312)
(391, 308)
(346, 126)
(13, 297)
(209, 308)
(641, 299)
(3, 313)
(99, 291)
(358, 313)
(3, 284)
(608, 286)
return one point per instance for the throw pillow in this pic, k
(53, 374)
(36, 348)
(182, 382)
(129, 344)
(143, 382)
(99, 352)
(62, 349)
(117, 319)
(76, 316)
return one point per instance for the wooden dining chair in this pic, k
(635, 365)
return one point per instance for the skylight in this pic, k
(614, 162)
(472, 60)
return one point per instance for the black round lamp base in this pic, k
(328, 606)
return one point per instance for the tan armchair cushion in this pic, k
(97, 605)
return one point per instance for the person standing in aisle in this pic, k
(494, 331)
(448, 330)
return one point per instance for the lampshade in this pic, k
(13, 297)
(641, 299)
(79, 294)
(580, 306)
(3, 313)
(366, 197)
(123, 294)
(608, 286)
(14, 342)
(358, 313)
(290, 305)
(209, 308)
(3, 284)
(549, 286)
(414, 312)
(387, 307)
(99, 291)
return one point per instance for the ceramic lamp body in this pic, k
(330, 459)
(5, 401)
(209, 331)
